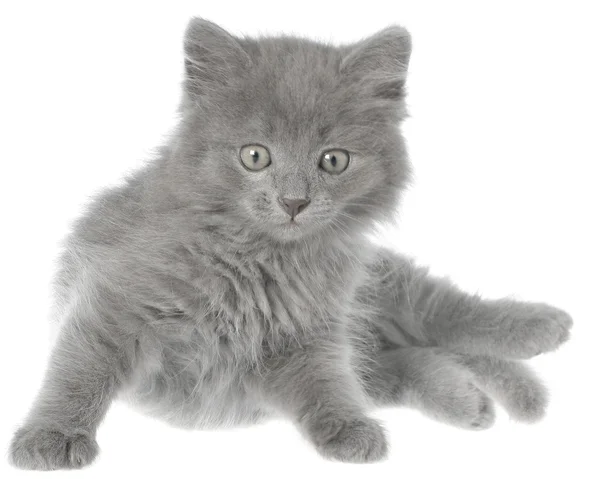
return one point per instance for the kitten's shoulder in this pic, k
(116, 213)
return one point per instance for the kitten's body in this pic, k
(190, 292)
(211, 306)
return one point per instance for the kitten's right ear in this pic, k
(380, 61)
(212, 56)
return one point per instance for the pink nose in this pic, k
(294, 206)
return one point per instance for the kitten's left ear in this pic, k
(212, 56)
(380, 60)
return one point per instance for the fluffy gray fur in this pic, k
(189, 292)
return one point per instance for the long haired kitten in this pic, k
(230, 280)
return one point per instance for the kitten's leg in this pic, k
(86, 366)
(450, 387)
(430, 380)
(434, 312)
(316, 387)
(513, 384)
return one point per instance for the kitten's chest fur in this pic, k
(232, 312)
(248, 301)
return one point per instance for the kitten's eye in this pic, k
(255, 157)
(335, 161)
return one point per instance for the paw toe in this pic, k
(485, 416)
(81, 451)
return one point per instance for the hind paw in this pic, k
(465, 406)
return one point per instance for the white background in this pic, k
(504, 139)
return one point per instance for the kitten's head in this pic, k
(290, 138)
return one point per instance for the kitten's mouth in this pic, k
(292, 226)
(292, 230)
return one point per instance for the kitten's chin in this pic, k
(291, 231)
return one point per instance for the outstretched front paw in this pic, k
(46, 449)
(537, 328)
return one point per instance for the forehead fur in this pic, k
(294, 78)
(295, 70)
(296, 83)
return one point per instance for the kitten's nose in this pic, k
(294, 206)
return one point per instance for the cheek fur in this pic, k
(260, 206)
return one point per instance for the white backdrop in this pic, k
(505, 101)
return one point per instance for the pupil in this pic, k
(333, 160)
(254, 154)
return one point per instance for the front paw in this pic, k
(46, 449)
(356, 440)
(537, 328)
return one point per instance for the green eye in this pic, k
(255, 157)
(335, 161)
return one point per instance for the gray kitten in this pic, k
(230, 280)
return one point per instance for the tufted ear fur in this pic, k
(213, 57)
(380, 62)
